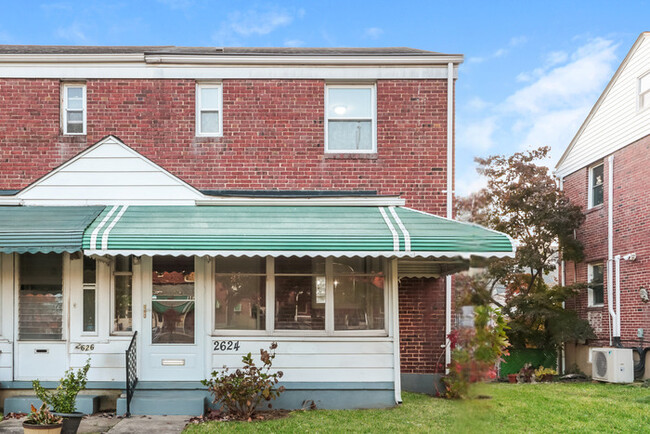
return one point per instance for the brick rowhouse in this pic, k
(273, 138)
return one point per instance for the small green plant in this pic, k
(42, 416)
(62, 399)
(475, 351)
(241, 391)
(544, 374)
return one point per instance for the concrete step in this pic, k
(165, 402)
(86, 404)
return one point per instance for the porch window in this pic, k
(208, 109)
(89, 294)
(358, 294)
(596, 178)
(596, 285)
(123, 294)
(74, 109)
(240, 293)
(300, 294)
(350, 120)
(172, 300)
(40, 308)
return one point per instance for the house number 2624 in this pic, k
(226, 345)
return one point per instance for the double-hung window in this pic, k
(350, 119)
(596, 175)
(596, 285)
(644, 91)
(209, 121)
(74, 108)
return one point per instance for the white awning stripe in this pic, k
(93, 236)
(407, 236)
(110, 227)
(392, 229)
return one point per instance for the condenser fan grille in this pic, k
(601, 364)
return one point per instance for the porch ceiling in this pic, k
(44, 229)
(287, 231)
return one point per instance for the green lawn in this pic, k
(577, 407)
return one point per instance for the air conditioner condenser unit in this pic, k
(613, 365)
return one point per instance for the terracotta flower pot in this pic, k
(30, 428)
(512, 378)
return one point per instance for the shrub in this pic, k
(475, 351)
(544, 374)
(62, 399)
(241, 391)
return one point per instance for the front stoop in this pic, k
(86, 404)
(165, 402)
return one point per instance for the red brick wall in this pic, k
(422, 325)
(273, 135)
(631, 235)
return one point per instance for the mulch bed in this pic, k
(219, 416)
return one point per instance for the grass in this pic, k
(538, 408)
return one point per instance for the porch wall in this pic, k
(6, 317)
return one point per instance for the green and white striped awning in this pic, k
(287, 231)
(44, 229)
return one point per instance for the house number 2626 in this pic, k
(226, 345)
(82, 347)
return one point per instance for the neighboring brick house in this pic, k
(604, 170)
(277, 188)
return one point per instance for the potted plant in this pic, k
(63, 398)
(545, 375)
(41, 421)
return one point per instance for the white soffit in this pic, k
(615, 120)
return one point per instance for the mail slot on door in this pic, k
(41, 351)
(173, 362)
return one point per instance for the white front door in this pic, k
(172, 347)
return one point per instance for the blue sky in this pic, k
(532, 70)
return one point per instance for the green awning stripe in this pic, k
(44, 229)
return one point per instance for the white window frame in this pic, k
(199, 108)
(640, 95)
(590, 276)
(329, 330)
(113, 273)
(96, 305)
(590, 187)
(64, 106)
(373, 118)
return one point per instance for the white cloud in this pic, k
(373, 32)
(294, 43)
(253, 22)
(74, 33)
(547, 109)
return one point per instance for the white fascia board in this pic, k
(10, 202)
(303, 60)
(299, 253)
(302, 201)
(86, 71)
(72, 58)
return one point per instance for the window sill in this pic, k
(351, 156)
(596, 306)
(595, 208)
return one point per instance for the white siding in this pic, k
(318, 359)
(109, 173)
(616, 122)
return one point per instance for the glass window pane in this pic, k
(359, 302)
(75, 92)
(297, 305)
(89, 309)
(40, 309)
(241, 265)
(296, 265)
(349, 135)
(90, 270)
(597, 284)
(75, 128)
(597, 195)
(122, 319)
(357, 265)
(240, 302)
(209, 98)
(75, 117)
(597, 175)
(75, 104)
(123, 264)
(349, 102)
(172, 300)
(209, 122)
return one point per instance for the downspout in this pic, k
(610, 249)
(617, 333)
(450, 197)
(562, 283)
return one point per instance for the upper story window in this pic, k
(209, 121)
(596, 176)
(596, 285)
(350, 119)
(74, 108)
(644, 91)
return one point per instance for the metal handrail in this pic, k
(131, 372)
